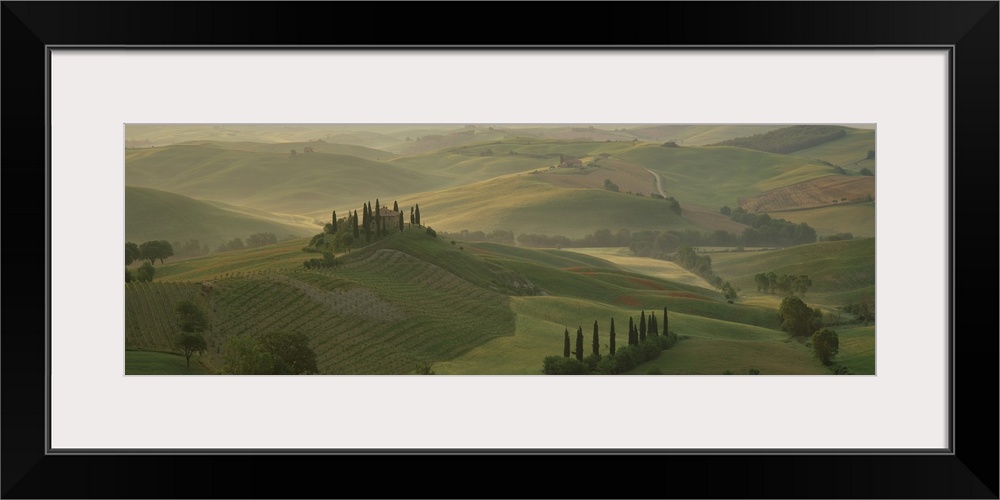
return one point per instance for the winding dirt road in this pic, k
(659, 183)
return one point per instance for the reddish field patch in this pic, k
(628, 300)
(646, 283)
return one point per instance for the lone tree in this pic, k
(417, 214)
(354, 225)
(413, 219)
(797, 318)
(579, 343)
(146, 272)
(611, 338)
(191, 321)
(334, 230)
(596, 342)
(153, 250)
(654, 328)
(826, 345)
(566, 343)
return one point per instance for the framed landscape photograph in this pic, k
(681, 251)
(753, 245)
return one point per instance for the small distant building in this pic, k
(391, 217)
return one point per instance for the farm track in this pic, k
(382, 314)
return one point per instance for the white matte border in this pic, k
(95, 92)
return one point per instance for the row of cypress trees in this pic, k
(636, 334)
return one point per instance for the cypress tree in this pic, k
(418, 214)
(383, 232)
(666, 322)
(653, 327)
(597, 343)
(395, 206)
(632, 339)
(378, 219)
(566, 343)
(354, 225)
(611, 335)
(579, 343)
(413, 220)
(642, 327)
(335, 221)
(400, 221)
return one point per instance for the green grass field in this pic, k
(849, 151)
(858, 219)
(717, 176)
(161, 363)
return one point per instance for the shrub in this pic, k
(558, 365)
(431, 232)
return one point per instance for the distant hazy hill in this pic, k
(151, 214)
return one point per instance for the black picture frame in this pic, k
(969, 471)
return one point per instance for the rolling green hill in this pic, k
(158, 215)
(841, 271)
(717, 176)
(525, 204)
(849, 151)
(275, 182)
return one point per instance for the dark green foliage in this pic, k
(128, 276)
(395, 206)
(233, 244)
(611, 338)
(765, 231)
(554, 365)
(826, 344)
(270, 353)
(354, 225)
(870, 155)
(785, 284)
(326, 262)
(413, 218)
(155, 250)
(654, 328)
(591, 362)
(866, 171)
(431, 232)
(674, 205)
(797, 318)
(666, 322)
(334, 224)
(863, 313)
(611, 186)
(378, 219)
(632, 337)
(596, 344)
(190, 318)
(400, 222)
(669, 144)
(725, 210)
(753, 371)
(837, 237)
(132, 253)
(642, 327)
(145, 272)
(417, 214)
(579, 343)
(788, 139)
(191, 321)
(261, 239)
(190, 343)
(423, 369)
(566, 347)
(667, 340)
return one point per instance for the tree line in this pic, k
(645, 343)
(785, 284)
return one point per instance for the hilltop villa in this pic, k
(391, 218)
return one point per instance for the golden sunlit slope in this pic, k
(151, 214)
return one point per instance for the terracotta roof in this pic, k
(385, 212)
